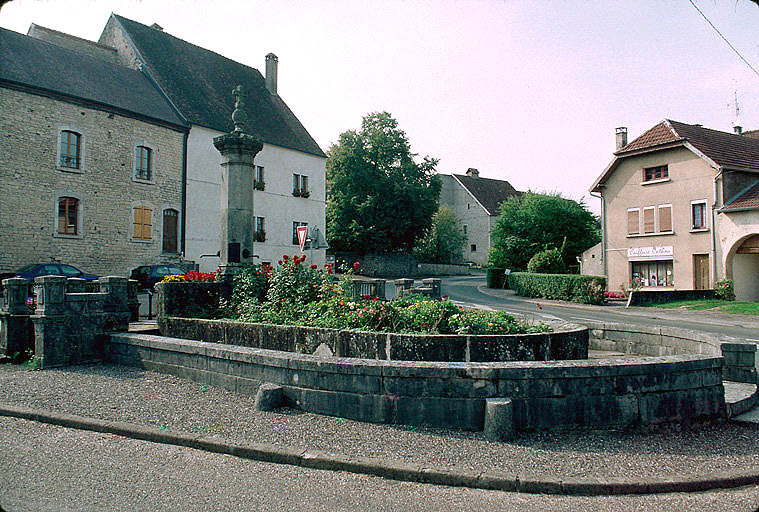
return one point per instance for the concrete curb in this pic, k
(389, 469)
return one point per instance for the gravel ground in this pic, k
(50, 468)
(137, 396)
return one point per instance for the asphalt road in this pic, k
(471, 290)
(49, 468)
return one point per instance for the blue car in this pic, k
(48, 269)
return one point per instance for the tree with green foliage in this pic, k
(379, 198)
(444, 241)
(547, 262)
(532, 222)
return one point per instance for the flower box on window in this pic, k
(260, 236)
(259, 185)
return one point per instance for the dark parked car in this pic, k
(149, 275)
(48, 269)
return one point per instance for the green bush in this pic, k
(570, 287)
(547, 262)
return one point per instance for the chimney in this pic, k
(474, 173)
(157, 26)
(271, 73)
(621, 137)
(738, 129)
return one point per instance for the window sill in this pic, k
(61, 235)
(660, 233)
(653, 182)
(699, 230)
(141, 241)
(144, 182)
(71, 170)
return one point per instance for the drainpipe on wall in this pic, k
(184, 191)
(714, 230)
(603, 234)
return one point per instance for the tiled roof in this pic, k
(200, 84)
(33, 64)
(749, 199)
(489, 192)
(659, 134)
(725, 149)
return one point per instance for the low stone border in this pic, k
(393, 470)
(565, 341)
(601, 393)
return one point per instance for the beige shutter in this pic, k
(665, 218)
(142, 222)
(649, 223)
(633, 222)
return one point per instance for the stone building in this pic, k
(475, 202)
(680, 209)
(90, 161)
(290, 180)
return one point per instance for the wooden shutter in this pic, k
(142, 223)
(665, 218)
(633, 222)
(649, 222)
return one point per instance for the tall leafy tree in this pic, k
(380, 199)
(532, 222)
(444, 241)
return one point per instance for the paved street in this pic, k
(471, 290)
(50, 468)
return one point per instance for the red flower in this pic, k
(285, 257)
(279, 263)
(313, 267)
(356, 265)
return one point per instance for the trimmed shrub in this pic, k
(570, 287)
(547, 262)
(724, 289)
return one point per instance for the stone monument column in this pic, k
(238, 150)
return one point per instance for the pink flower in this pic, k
(356, 265)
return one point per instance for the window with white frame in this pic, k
(300, 185)
(259, 183)
(699, 218)
(633, 221)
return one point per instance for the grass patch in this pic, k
(722, 306)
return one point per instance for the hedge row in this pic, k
(571, 287)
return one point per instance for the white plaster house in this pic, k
(680, 209)
(199, 85)
(475, 202)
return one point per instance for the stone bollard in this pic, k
(434, 284)
(15, 291)
(402, 286)
(499, 419)
(116, 304)
(76, 285)
(379, 289)
(133, 301)
(50, 292)
(269, 397)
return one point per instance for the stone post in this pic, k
(15, 291)
(379, 289)
(16, 332)
(402, 286)
(133, 301)
(76, 285)
(433, 283)
(238, 150)
(50, 292)
(115, 303)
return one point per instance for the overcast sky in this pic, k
(529, 92)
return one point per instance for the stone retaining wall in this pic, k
(741, 356)
(601, 393)
(440, 269)
(569, 341)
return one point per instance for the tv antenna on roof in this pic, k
(737, 128)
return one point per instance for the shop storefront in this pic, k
(651, 266)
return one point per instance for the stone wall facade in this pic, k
(471, 214)
(32, 182)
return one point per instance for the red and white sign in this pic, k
(302, 232)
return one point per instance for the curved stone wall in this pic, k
(602, 393)
(566, 341)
